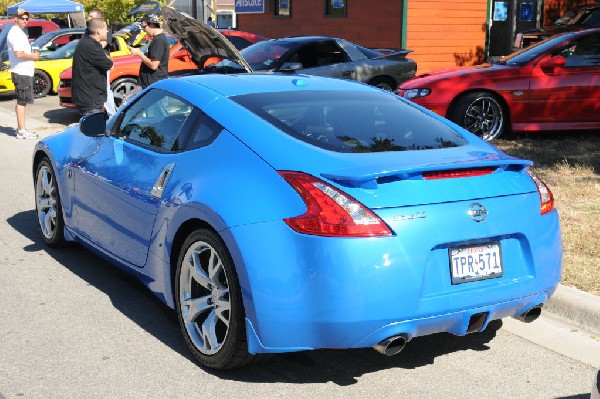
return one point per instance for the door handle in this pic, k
(161, 182)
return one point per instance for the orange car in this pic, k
(123, 76)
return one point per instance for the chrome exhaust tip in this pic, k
(531, 315)
(391, 346)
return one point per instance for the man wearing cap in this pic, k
(155, 63)
(21, 60)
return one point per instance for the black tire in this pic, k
(41, 83)
(481, 113)
(384, 83)
(47, 204)
(121, 87)
(209, 305)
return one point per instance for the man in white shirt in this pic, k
(21, 67)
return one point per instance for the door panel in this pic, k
(569, 94)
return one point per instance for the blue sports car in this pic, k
(280, 213)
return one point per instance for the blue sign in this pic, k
(249, 6)
(526, 12)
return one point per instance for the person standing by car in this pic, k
(90, 67)
(109, 105)
(21, 67)
(155, 63)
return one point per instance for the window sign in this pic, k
(249, 6)
(500, 11)
(526, 13)
(282, 8)
(335, 8)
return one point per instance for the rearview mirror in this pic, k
(93, 124)
(554, 62)
(291, 67)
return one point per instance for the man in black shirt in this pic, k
(155, 63)
(90, 64)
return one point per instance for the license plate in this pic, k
(475, 262)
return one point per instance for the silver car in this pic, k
(311, 55)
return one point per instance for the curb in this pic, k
(576, 307)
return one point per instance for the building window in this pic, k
(283, 8)
(336, 8)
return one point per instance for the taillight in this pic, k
(546, 197)
(330, 212)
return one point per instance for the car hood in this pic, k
(199, 39)
(553, 30)
(481, 71)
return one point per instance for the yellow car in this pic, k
(47, 69)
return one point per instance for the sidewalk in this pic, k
(575, 307)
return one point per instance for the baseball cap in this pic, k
(21, 12)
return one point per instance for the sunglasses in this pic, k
(24, 18)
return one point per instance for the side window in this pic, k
(238, 42)
(33, 32)
(583, 52)
(156, 120)
(319, 54)
(203, 133)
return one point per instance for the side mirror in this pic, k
(554, 62)
(93, 125)
(291, 67)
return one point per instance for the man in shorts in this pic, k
(21, 67)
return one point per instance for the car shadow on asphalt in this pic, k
(341, 367)
(62, 116)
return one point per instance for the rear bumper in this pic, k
(455, 323)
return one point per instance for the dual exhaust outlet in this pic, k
(393, 345)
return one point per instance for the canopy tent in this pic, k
(74, 9)
(46, 7)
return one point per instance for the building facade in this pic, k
(441, 34)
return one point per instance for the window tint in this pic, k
(238, 42)
(346, 121)
(33, 32)
(582, 52)
(203, 133)
(157, 120)
(319, 54)
(264, 55)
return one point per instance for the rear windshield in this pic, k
(348, 121)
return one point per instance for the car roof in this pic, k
(241, 84)
(304, 39)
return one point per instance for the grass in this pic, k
(570, 164)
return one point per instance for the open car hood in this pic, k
(147, 7)
(200, 40)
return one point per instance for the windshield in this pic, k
(352, 121)
(262, 56)
(65, 51)
(580, 16)
(45, 38)
(523, 57)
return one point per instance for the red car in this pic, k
(123, 76)
(35, 28)
(552, 85)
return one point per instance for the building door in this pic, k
(507, 18)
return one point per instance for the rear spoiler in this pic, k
(367, 177)
(391, 53)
